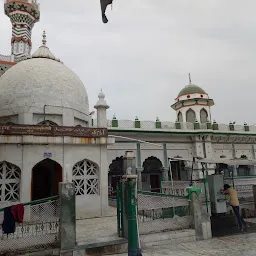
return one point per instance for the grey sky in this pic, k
(141, 58)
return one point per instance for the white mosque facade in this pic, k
(48, 134)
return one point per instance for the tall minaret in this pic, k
(23, 15)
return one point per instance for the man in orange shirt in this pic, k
(234, 202)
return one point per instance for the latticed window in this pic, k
(47, 123)
(86, 178)
(9, 182)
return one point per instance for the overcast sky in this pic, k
(142, 57)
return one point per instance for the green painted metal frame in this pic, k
(120, 209)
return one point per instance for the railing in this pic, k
(39, 230)
(158, 212)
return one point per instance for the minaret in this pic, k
(23, 15)
(102, 106)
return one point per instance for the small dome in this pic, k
(191, 88)
(33, 83)
(44, 51)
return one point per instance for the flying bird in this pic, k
(104, 4)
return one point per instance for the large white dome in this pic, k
(31, 84)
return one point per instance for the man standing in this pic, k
(234, 202)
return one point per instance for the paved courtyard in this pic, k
(237, 245)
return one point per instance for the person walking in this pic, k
(234, 202)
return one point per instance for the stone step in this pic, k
(169, 237)
(121, 245)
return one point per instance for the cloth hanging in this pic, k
(18, 212)
(104, 4)
(8, 225)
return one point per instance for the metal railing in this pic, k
(39, 230)
(158, 212)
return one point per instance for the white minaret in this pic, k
(193, 104)
(102, 106)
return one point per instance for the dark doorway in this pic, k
(152, 171)
(155, 183)
(115, 174)
(46, 176)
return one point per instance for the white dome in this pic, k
(31, 84)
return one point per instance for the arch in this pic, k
(116, 167)
(10, 176)
(203, 116)
(48, 123)
(152, 165)
(180, 117)
(190, 116)
(46, 176)
(116, 171)
(86, 178)
(151, 174)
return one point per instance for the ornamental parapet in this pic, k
(33, 2)
(7, 58)
(158, 125)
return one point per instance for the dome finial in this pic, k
(44, 38)
(189, 77)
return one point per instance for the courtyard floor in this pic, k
(97, 230)
(236, 245)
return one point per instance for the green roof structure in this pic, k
(191, 88)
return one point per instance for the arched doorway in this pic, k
(46, 176)
(151, 175)
(115, 174)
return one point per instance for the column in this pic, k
(165, 170)
(139, 167)
(67, 216)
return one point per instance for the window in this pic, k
(180, 118)
(203, 116)
(190, 116)
(9, 182)
(86, 178)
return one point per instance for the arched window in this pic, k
(48, 123)
(190, 116)
(9, 182)
(86, 178)
(180, 118)
(203, 116)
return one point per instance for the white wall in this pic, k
(27, 156)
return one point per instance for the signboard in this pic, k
(42, 130)
(47, 155)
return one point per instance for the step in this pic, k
(169, 237)
(119, 246)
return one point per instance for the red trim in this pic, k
(7, 62)
(18, 39)
(15, 1)
(190, 94)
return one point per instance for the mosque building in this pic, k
(48, 134)
(45, 133)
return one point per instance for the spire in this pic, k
(189, 77)
(44, 38)
(101, 102)
(44, 51)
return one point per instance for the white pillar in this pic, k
(102, 106)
